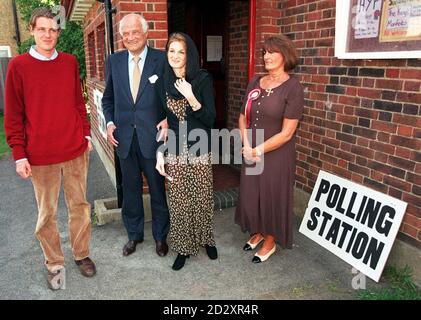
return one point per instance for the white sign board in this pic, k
(102, 126)
(354, 222)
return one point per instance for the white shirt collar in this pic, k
(34, 53)
(142, 54)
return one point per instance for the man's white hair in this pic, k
(137, 16)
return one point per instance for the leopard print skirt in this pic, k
(190, 195)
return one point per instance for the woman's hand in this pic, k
(162, 128)
(184, 88)
(248, 154)
(160, 164)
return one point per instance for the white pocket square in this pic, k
(152, 79)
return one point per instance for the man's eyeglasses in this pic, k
(45, 31)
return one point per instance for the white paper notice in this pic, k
(367, 19)
(214, 48)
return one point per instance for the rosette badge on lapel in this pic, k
(253, 95)
(152, 79)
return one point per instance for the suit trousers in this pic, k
(47, 182)
(132, 211)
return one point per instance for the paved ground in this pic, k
(306, 272)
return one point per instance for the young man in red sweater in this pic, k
(47, 128)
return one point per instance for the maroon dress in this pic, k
(266, 200)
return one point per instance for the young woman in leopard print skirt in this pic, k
(186, 92)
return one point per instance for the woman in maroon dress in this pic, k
(274, 102)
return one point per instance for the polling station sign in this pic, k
(354, 222)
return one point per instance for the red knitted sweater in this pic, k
(45, 115)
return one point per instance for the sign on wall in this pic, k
(102, 126)
(354, 222)
(214, 48)
(378, 29)
(401, 21)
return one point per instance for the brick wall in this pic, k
(267, 18)
(237, 59)
(100, 51)
(362, 119)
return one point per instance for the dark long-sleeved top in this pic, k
(202, 119)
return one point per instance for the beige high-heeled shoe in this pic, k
(258, 258)
(250, 246)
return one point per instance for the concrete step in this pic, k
(106, 209)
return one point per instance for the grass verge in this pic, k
(4, 148)
(399, 286)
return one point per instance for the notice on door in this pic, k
(214, 48)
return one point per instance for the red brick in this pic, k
(392, 73)
(351, 91)
(402, 152)
(410, 198)
(406, 119)
(415, 211)
(405, 131)
(381, 157)
(376, 175)
(410, 230)
(408, 97)
(369, 93)
(357, 178)
(387, 148)
(412, 86)
(155, 16)
(389, 84)
(131, 7)
(410, 74)
(160, 6)
(397, 183)
(383, 126)
(157, 34)
(161, 25)
(369, 83)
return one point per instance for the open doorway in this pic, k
(205, 21)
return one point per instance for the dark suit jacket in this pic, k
(118, 105)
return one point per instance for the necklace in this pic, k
(283, 77)
(269, 91)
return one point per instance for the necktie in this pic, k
(135, 78)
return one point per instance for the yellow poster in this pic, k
(401, 20)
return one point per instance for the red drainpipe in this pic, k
(252, 36)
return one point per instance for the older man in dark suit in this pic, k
(133, 113)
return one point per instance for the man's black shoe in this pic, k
(130, 247)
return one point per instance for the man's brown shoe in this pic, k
(86, 267)
(161, 248)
